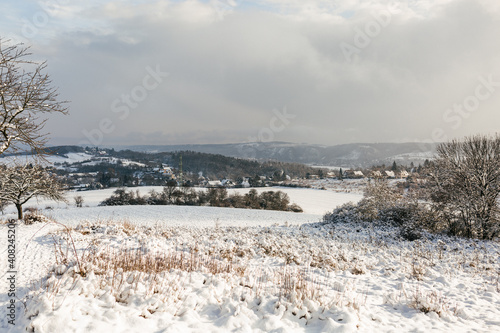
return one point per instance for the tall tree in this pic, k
(465, 185)
(21, 183)
(394, 166)
(26, 94)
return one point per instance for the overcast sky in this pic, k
(224, 71)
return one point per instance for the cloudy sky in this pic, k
(224, 71)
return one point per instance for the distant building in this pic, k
(390, 174)
(358, 174)
(404, 174)
(353, 174)
(227, 183)
(214, 183)
(245, 182)
(165, 170)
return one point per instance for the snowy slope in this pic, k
(52, 159)
(238, 270)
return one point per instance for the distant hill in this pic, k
(347, 155)
(63, 150)
(121, 165)
(54, 150)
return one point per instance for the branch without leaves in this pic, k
(26, 94)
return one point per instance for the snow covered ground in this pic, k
(52, 159)
(69, 158)
(206, 269)
(312, 201)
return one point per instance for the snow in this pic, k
(246, 271)
(312, 201)
(180, 216)
(70, 158)
(52, 159)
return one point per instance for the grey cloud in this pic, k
(226, 76)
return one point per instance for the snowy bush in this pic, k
(78, 201)
(383, 204)
(346, 213)
(410, 230)
(295, 208)
(121, 197)
(33, 216)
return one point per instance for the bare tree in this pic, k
(169, 190)
(26, 93)
(78, 201)
(19, 184)
(465, 185)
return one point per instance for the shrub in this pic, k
(345, 213)
(236, 200)
(156, 198)
(121, 197)
(383, 204)
(217, 197)
(33, 216)
(252, 199)
(410, 231)
(190, 196)
(378, 198)
(295, 208)
(271, 200)
(401, 213)
(78, 201)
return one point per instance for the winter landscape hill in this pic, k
(353, 155)
(346, 155)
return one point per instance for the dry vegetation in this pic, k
(303, 268)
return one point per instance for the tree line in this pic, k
(215, 197)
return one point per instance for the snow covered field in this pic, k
(312, 201)
(206, 269)
(69, 158)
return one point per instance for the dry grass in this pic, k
(423, 300)
(137, 267)
(144, 261)
(126, 268)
